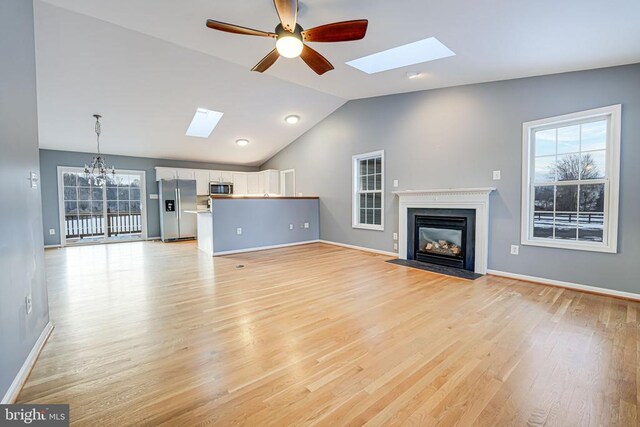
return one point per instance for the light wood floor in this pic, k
(150, 333)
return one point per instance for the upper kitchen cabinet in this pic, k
(226, 176)
(240, 183)
(254, 183)
(244, 183)
(270, 181)
(202, 182)
(165, 173)
(185, 174)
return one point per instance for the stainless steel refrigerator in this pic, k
(177, 196)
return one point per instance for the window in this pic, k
(570, 181)
(368, 191)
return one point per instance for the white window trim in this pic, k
(355, 214)
(610, 238)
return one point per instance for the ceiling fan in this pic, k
(290, 37)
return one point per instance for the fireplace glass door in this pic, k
(440, 241)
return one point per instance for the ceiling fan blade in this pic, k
(288, 13)
(317, 62)
(236, 29)
(337, 32)
(267, 61)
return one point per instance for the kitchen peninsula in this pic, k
(244, 224)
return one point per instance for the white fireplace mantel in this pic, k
(450, 198)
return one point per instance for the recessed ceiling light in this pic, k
(242, 142)
(292, 119)
(409, 54)
(203, 123)
(413, 75)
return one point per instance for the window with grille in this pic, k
(570, 180)
(368, 191)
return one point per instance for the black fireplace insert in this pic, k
(442, 236)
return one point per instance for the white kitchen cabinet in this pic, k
(215, 176)
(253, 183)
(240, 184)
(202, 182)
(226, 176)
(185, 174)
(270, 181)
(165, 173)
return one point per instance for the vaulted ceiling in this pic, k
(146, 65)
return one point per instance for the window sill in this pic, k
(368, 227)
(589, 247)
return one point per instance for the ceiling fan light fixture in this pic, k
(289, 46)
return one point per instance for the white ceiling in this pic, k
(148, 87)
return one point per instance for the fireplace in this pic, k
(442, 236)
(453, 202)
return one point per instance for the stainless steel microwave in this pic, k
(220, 188)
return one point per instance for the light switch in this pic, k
(33, 178)
(395, 183)
(395, 236)
(306, 225)
(290, 226)
(153, 196)
(496, 175)
(238, 231)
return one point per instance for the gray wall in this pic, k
(264, 222)
(51, 159)
(455, 137)
(21, 252)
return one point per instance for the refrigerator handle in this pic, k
(179, 205)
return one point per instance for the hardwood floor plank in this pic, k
(161, 334)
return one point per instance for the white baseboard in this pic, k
(18, 382)
(264, 248)
(52, 246)
(153, 238)
(361, 248)
(568, 285)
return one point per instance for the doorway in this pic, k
(112, 212)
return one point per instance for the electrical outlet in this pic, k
(306, 225)
(497, 175)
(395, 236)
(395, 246)
(27, 301)
(395, 183)
(290, 226)
(52, 231)
(515, 250)
(238, 231)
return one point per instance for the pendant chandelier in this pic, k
(97, 171)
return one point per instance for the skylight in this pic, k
(203, 123)
(409, 54)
